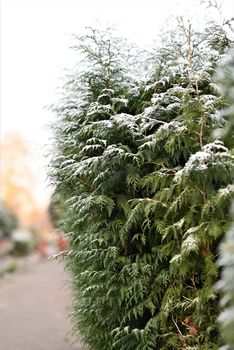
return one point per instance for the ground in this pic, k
(33, 309)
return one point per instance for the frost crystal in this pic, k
(190, 243)
(173, 126)
(202, 160)
(149, 112)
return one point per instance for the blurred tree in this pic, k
(8, 222)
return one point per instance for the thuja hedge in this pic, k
(146, 189)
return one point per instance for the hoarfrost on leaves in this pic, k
(125, 119)
(173, 126)
(202, 160)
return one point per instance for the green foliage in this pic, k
(146, 192)
(21, 248)
(56, 210)
(8, 222)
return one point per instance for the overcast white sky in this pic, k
(35, 50)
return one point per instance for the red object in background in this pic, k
(5, 247)
(62, 244)
(42, 248)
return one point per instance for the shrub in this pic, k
(146, 190)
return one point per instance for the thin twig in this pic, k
(182, 337)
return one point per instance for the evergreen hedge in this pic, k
(146, 189)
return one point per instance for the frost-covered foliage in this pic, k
(146, 192)
(226, 284)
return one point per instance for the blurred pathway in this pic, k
(33, 309)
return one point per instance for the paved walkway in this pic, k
(33, 309)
